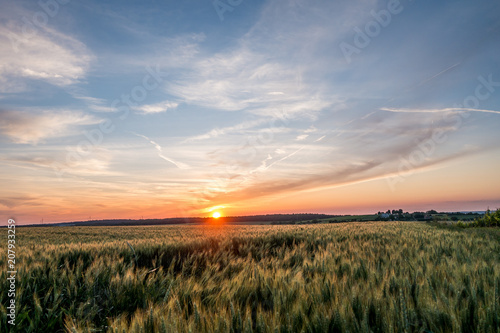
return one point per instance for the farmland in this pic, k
(357, 277)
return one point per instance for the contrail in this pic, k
(437, 110)
(180, 165)
(440, 73)
(284, 158)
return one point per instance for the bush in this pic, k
(488, 220)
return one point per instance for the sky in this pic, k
(154, 109)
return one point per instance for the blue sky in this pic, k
(261, 111)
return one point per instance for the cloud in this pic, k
(273, 65)
(311, 129)
(238, 128)
(364, 149)
(16, 201)
(93, 103)
(231, 82)
(33, 127)
(246, 80)
(156, 108)
(49, 56)
(259, 189)
(69, 162)
(328, 177)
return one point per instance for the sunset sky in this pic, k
(153, 109)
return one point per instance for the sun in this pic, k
(216, 215)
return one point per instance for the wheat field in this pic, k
(346, 277)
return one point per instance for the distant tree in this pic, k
(418, 215)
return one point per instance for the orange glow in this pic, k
(216, 215)
(440, 188)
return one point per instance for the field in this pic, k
(356, 277)
(349, 218)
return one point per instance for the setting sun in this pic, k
(216, 215)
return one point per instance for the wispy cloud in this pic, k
(238, 128)
(33, 127)
(68, 162)
(15, 201)
(364, 150)
(257, 74)
(259, 189)
(93, 103)
(327, 178)
(50, 56)
(156, 108)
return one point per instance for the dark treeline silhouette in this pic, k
(184, 220)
